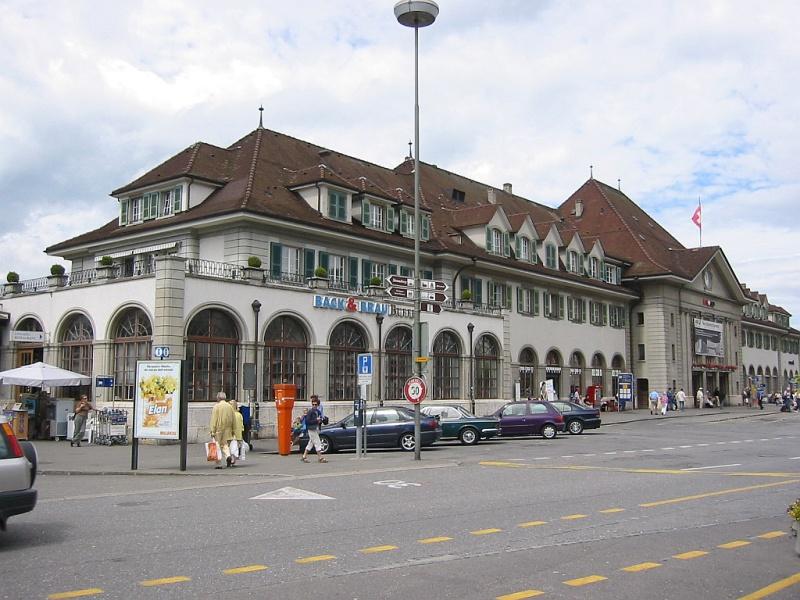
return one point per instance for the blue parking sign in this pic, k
(365, 364)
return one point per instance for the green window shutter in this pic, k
(123, 212)
(489, 240)
(177, 199)
(365, 213)
(490, 291)
(477, 293)
(308, 262)
(581, 265)
(275, 259)
(155, 205)
(517, 246)
(146, 207)
(391, 217)
(366, 270)
(506, 244)
(519, 299)
(508, 297)
(403, 222)
(535, 301)
(560, 306)
(323, 260)
(571, 308)
(604, 311)
(534, 256)
(392, 269)
(425, 232)
(602, 274)
(353, 272)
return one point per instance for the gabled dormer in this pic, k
(407, 223)
(524, 238)
(548, 252)
(595, 262)
(486, 226)
(574, 255)
(498, 234)
(331, 201)
(376, 213)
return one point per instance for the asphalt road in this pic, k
(672, 509)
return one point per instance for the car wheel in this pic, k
(575, 427)
(549, 431)
(468, 436)
(325, 443)
(30, 453)
(407, 442)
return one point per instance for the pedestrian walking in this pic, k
(717, 398)
(221, 428)
(681, 397)
(699, 397)
(237, 443)
(671, 403)
(654, 398)
(82, 409)
(299, 427)
(313, 422)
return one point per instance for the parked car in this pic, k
(18, 462)
(578, 417)
(530, 418)
(387, 427)
(459, 424)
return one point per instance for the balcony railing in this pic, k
(210, 268)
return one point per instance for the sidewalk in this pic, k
(58, 458)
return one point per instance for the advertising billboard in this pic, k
(158, 399)
(708, 338)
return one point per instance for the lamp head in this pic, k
(470, 327)
(256, 305)
(416, 13)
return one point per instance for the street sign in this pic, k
(364, 369)
(430, 307)
(400, 292)
(400, 281)
(415, 390)
(433, 296)
(433, 285)
(161, 351)
(103, 381)
(408, 293)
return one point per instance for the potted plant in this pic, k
(466, 299)
(320, 278)
(105, 270)
(13, 286)
(375, 287)
(57, 277)
(253, 271)
(794, 512)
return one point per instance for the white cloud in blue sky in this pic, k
(676, 99)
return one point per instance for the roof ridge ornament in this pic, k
(261, 117)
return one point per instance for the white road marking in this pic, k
(668, 448)
(291, 493)
(397, 484)
(795, 458)
(736, 442)
(749, 440)
(684, 446)
(609, 452)
(567, 456)
(589, 454)
(542, 458)
(628, 451)
(648, 450)
(712, 467)
(703, 445)
(720, 443)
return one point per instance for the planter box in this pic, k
(375, 290)
(56, 281)
(12, 288)
(254, 274)
(320, 283)
(106, 272)
(466, 304)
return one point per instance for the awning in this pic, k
(143, 250)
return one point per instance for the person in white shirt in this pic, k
(699, 397)
(681, 397)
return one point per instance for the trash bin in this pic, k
(284, 403)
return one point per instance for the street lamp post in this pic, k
(379, 321)
(470, 329)
(416, 14)
(256, 306)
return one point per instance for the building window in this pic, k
(673, 352)
(598, 313)
(594, 268)
(347, 340)
(499, 295)
(135, 209)
(527, 301)
(617, 316)
(611, 274)
(598, 371)
(475, 286)
(640, 318)
(527, 373)
(573, 262)
(550, 260)
(337, 206)
(398, 362)
(553, 305)
(132, 342)
(76, 352)
(212, 355)
(523, 248)
(576, 309)
(285, 356)
(672, 322)
(640, 351)
(576, 365)
(487, 367)
(446, 367)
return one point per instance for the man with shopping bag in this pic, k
(221, 428)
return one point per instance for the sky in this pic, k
(675, 102)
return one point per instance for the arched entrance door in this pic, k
(398, 361)
(132, 341)
(285, 356)
(347, 340)
(212, 353)
(576, 365)
(552, 370)
(446, 366)
(487, 367)
(527, 373)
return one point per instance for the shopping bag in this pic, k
(212, 451)
(243, 450)
(233, 446)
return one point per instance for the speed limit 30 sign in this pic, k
(415, 390)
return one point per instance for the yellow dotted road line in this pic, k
(435, 540)
(608, 511)
(164, 581)
(734, 544)
(718, 493)
(690, 555)
(245, 569)
(377, 549)
(532, 524)
(645, 566)
(773, 587)
(573, 517)
(585, 580)
(486, 531)
(771, 534)
(75, 594)
(521, 595)
(313, 559)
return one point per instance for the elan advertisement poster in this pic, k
(158, 399)
(708, 338)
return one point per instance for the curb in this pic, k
(729, 415)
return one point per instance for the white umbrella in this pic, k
(41, 374)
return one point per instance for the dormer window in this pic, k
(458, 195)
(407, 225)
(523, 248)
(376, 215)
(550, 260)
(151, 205)
(594, 268)
(337, 206)
(573, 262)
(497, 242)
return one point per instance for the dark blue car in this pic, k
(387, 427)
(578, 417)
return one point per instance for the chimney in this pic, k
(578, 208)
(507, 188)
(490, 196)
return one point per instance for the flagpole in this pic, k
(700, 208)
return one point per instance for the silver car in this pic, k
(18, 462)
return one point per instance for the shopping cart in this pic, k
(112, 427)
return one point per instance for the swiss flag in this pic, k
(697, 217)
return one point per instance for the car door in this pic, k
(384, 428)
(344, 434)
(538, 416)
(513, 418)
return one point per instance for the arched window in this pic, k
(446, 366)
(76, 351)
(598, 371)
(576, 364)
(398, 361)
(132, 342)
(285, 356)
(553, 370)
(617, 366)
(776, 383)
(527, 373)
(487, 367)
(347, 340)
(30, 344)
(212, 353)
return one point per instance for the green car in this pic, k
(458, 424)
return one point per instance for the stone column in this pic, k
(169, 325)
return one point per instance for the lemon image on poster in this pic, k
(158, 399)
